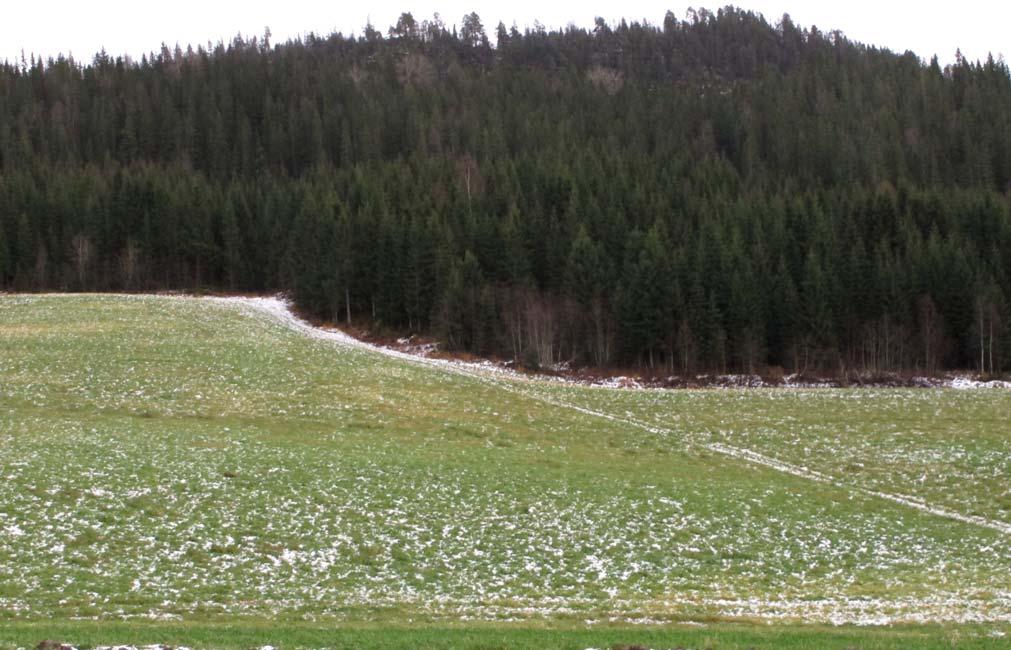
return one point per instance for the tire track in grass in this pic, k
(810, 474)
(505, 380)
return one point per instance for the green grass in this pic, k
(183, 463)
(492, 637)
(948, 447)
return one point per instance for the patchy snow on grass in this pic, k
(965, 383)
(912, 502)
(280, 310)
(216, 463)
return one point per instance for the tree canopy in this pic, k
(711, 193)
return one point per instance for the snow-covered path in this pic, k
(510, 381)
(803, 472)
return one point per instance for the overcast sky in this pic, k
(131, 27)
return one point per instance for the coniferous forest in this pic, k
(713, 193)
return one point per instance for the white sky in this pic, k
(134, 27)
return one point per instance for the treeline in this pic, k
(714, 193)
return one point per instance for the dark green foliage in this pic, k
(712, 194)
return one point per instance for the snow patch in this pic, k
(486, 371)
(964, 383)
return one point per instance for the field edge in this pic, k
(261, 633)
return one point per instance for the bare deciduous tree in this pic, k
(988, 325)
(415, 69)
(540, 321)
(469, 173)
(607, 79)
(931, 332)
(686, 347)
(41, 266)
(81, 252)
(129, 264)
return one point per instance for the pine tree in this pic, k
(232, 245)
(794, 218)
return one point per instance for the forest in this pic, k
(714, 193)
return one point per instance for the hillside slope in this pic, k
(176, 457)
(710, 193)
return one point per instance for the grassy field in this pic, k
(197, 471)
(479, 636)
